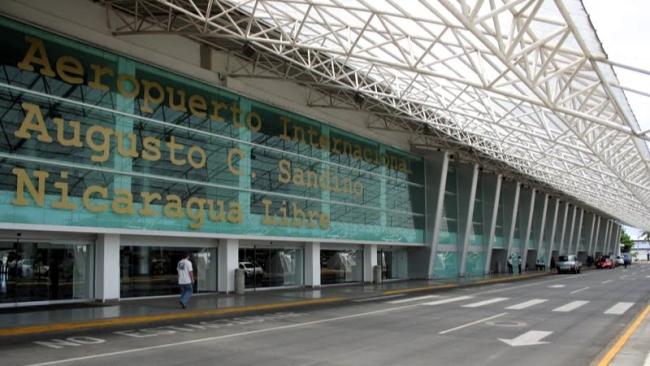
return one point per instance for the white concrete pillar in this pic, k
(513, 222)
(228, 263)
(439, 206)
(560, 250)
(551, 239)
(369, 261)
(312, 264)
(596, 236)
(617, 240)
(469, 225)
(493, 223)
(572, 230)
(542, 227)
(107, 267)
(606, 237)
(529, 226)
(592, 228)
(579, 233)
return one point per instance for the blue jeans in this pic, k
(186, 293)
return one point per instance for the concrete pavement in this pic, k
(14, 322)
(556, 320)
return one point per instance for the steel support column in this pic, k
(542, 227)
(563, 233)
(582, 216)
(596, 236)
(511, 233)
(439, 204)
(529, 225)
(469, 220)
(591, 234)
(493, 224)
(552, 238)
(572, 230)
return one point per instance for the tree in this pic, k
(626, 242)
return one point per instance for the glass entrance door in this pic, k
(393, 263)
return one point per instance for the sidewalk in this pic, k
(636, 351)
(24, 321)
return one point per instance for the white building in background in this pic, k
(641, 249)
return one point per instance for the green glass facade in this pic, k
(95, 139)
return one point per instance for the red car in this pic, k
(605, 262)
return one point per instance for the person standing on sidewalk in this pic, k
(185, 279)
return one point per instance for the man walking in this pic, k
(185, 279)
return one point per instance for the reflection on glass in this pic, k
(393, 263)
(340, 266)
(38, 271)
(271, 267)
(151, 271)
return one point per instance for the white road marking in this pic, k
(472, 323)
(579, 290)
(556, 286)
(647, 360)
(526, 304)
(379, 298)
(620, 308)
(411, 299)
(447, 301)
(216, 338)
(530, 338)
(485, 302)
(608, 281)
(570, 306)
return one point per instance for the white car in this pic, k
(568, 263)
(619, 260)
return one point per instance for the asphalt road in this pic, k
(556, 320)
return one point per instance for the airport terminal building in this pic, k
(125, 145)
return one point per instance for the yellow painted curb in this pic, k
(131, 320)
(418, 289)
(454, 285)
(620, 342)
(508, 279)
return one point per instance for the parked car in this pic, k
(604, 263)
(619, 260)
(568, 263)
(250, 269)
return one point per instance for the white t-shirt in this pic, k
(184, 267)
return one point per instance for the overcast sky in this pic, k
(624, 30)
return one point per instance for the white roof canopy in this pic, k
(525, 82)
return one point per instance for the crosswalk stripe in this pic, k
(411, 299)
(485, 302)
(446, 301)
(620, 308)
(526, 304)
(570, 306)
